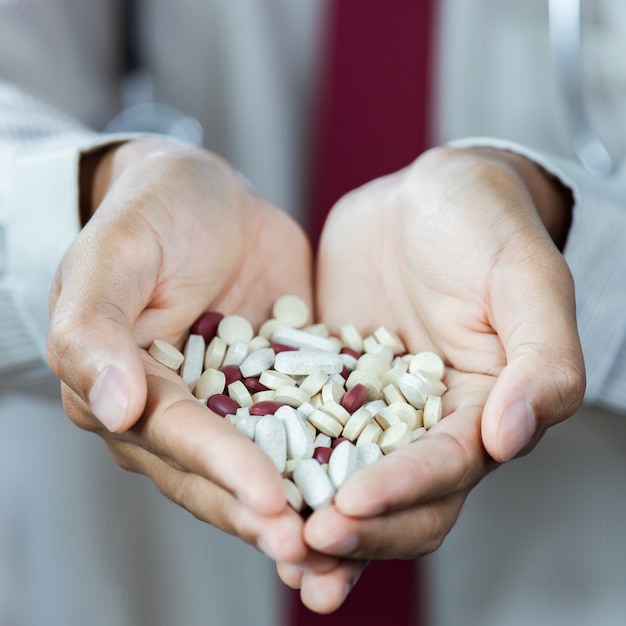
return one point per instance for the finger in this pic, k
(543, 381)
(182, 432)
(278, 536)
(176, 426)
(325, 592)
(102, 286)
(407, 533)
(448, 458)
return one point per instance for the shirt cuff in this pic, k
(42, 220)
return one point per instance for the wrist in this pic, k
(553, 200)
(100, 168)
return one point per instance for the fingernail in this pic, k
(516, 429)
(109, 398)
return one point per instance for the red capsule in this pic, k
(350, 351)
(337, 441)
(206, 325)
(345, 372)
(322, 454)
(354, 398)
(222, 404)
(265, 407)
(232, 373)
(253, 384)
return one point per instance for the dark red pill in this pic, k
(354, 398)
(254, 385)
(339, 440)
(322, 454)
(265, 407)
(232, 373)
(206, 325)
(222, 404)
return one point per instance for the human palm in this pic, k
(451, 254)
(176, 234)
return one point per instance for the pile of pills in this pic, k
(320, 406)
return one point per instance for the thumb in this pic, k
(97, 295)
(543, 381)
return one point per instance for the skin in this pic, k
(453, 254)
(175, 233)
(456, 253)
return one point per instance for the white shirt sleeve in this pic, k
(596, 254)
(40, 150)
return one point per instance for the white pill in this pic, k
(322, 441)
(321, 330)
(417, 433)
(370, 343)
(335, 410)
(269, 327)
(375, 406)
(194, 359)
(291, 311)
(262, 396)
(390, 339)
(299, 442)
(313, 483)
(211, 382)
(342, 463)
(305, 362)
(235, 353)
(348, 361)
(235, 328)
(248, 424)
(432, 411)
(274, 380)
(256, 362)
(243, 411)
(333, 391)
(379, 350)
(314, 382)
(271, 437)
(166, 354)
(370, 380)
(392, 394)
(240, 394)
(305, 409)
(215, 351)
(293, 496)
(370, 434)
(351, 337)
(427, 362)
(257, 343)
(293, 396)
(407, 413)
(387, 418)
(325, 423)
(395, 437)
(374, 363)
(297, 338)
(355, 425)
(412, 389)
(367, 453)
(290, 466)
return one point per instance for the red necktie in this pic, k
(372, 120)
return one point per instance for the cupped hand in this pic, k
(452, 254)
(175, 233)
